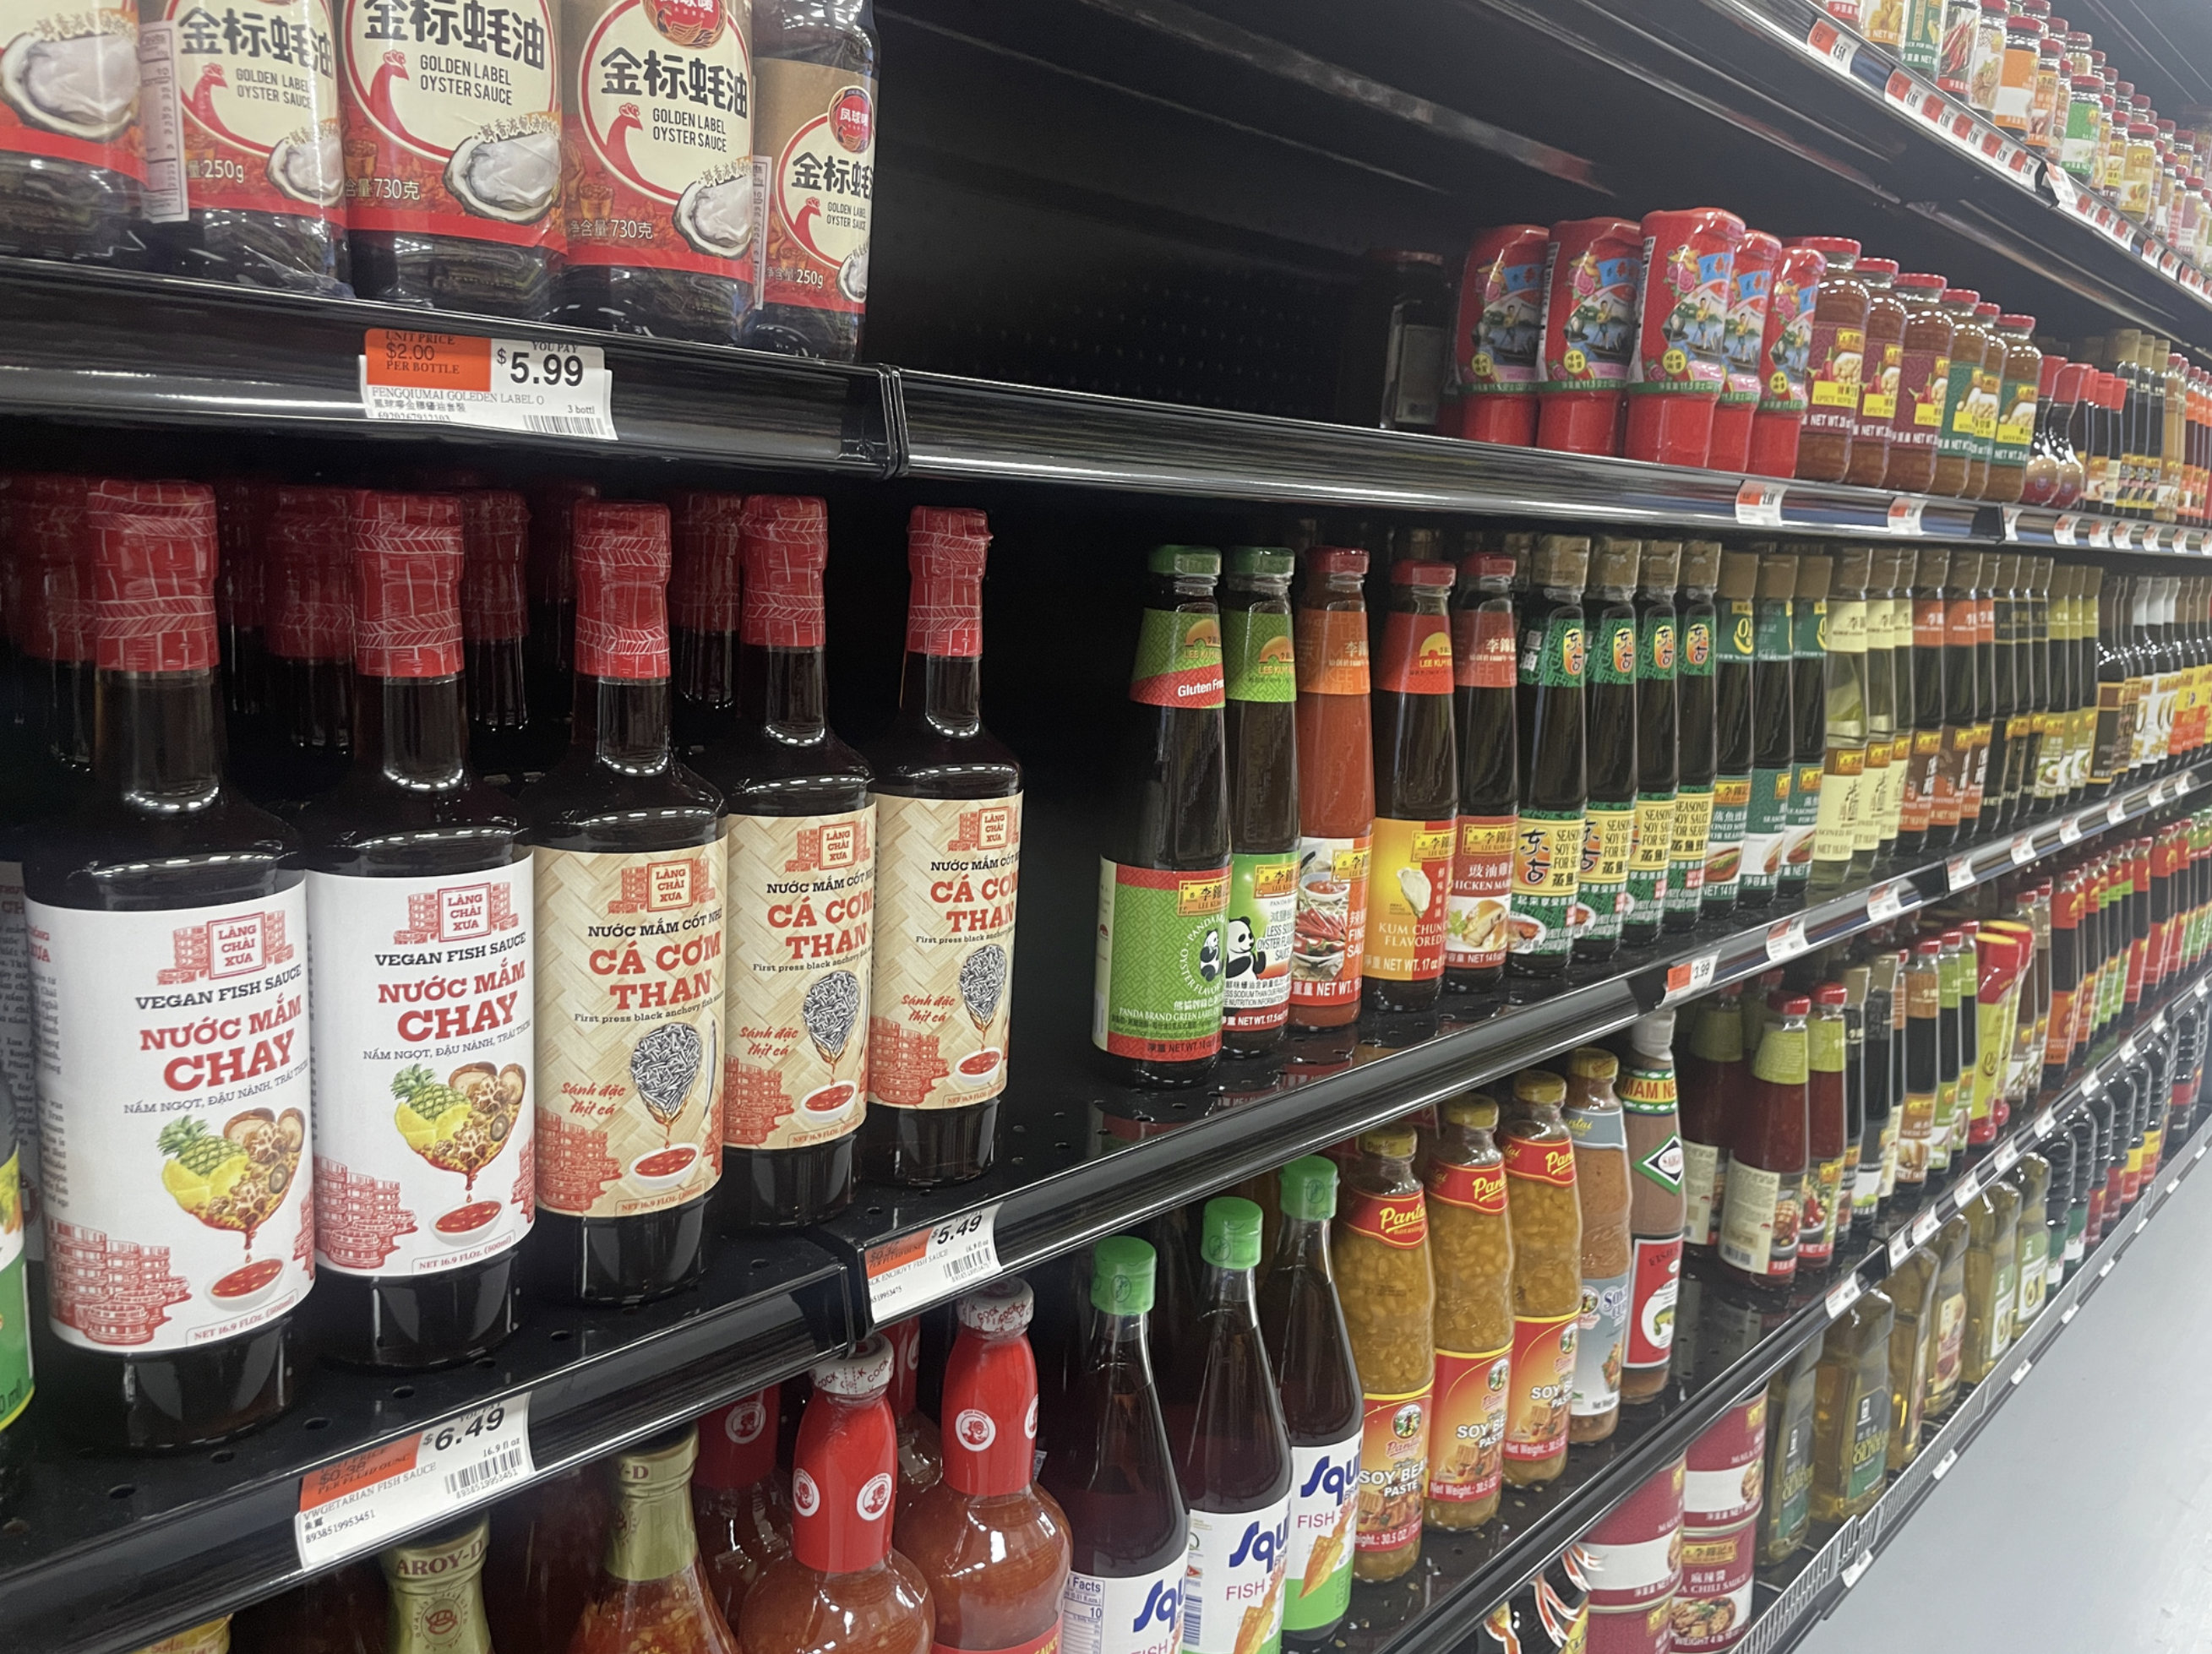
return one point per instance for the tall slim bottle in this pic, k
(1658, 1210)
(1658, 736)
(949, 825)
(550, 658)
(628, 863)
(1336, 796)
(1471, 1239)
(1735, 634)
(1923, 708)
(1554, 777)
(175, 1256)
(1810, 629)
(1381, 1240)
(740, 1503)
(1478, 930)
(1844, 822)
(418, 882)
(305, 735)
(437, 1593)
(1876, 838)
(1609, 698)
(1547, 1291)
(495, 635)
(800, 839)
(1409, 874)
(652, 1596)
(2111, 748)
(1259, 726)
(706, 611)
(1766, 833)
(1699, 725)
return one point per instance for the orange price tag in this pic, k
(429, 362)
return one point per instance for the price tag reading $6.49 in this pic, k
(366, 1502)
(530, 387)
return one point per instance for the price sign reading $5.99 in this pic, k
(535, 387)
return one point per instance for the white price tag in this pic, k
(2043, 1122)
(2012, 523)
(1900, 88)
(527, 387)
(1786, 940)
(2061, 531)
(1855, 1571)
(2157, 794)
(2072, 1310)
(1966, 1188)
(2101, 534)
(2069, 830)
(1843, 1295)
(2153, 538)
(2007, 1157)
(1923, 1228)
(1759, 505)
(2183, 784)
(1886, 901)
(366, 1502)
(2021, 1370)
(1900, 1247)
(2123, 536)
(1832, 45)
(1943, 1465)
(2062, 184)
(2116, 812)
(1959, 872)
(2023, 848)
(1690, 978)
(930, 1265)
(1905, 511)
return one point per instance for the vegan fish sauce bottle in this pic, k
(1324, 1409)
(307, 720)
(163, 908)
(1409, 875)
(1114, 1478)
(652, 1596)
(1336, 792)
(706, 613)
(1658, 725)
(1554, 779)
(1232, 1452)
(419, 898)
(800, 839)
(628, 861)
(993, 1546)
(1767, 830)
(1164, 879)
(495, 633)
(1735, 633)
(1260, 725)
(1610, 698)
(1548, 1284)
(948, 824)
(1477, 930)
(436, 1582)
(549, 656)
(1472, 1241)
(740, 1503)
(1697, 750)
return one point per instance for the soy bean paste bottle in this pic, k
(1547, 1239)
(1471, 1240)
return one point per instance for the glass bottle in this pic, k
(211, 1638)
(1735, 632)
(1888, 630)
(1554, 779)
(799, 838)
(1260, 734)
(1479, 930)
(1657, 1208)
(1473, 1242)
(1596, 1121)
(1874, 997)
(550, 651)
(740, 1505)
(1785, 1514)
(1609, 699)
(1111, 1472)
(1851, 1409)
(546, 1542)
(1911, 1287)
(1712, 1072)
(1767, 833)
(495, 632)
(1956, 449)
(1923, 376)
(1947, 1328)
(1547, 1242)
(706, 611)
(303, 745)
(1846, 799)
(1336, 793)
(1768, 1151)
(341, 1612)
(1698, 726)
(160, 866)
(948, 797)
(1920, 706)
(920, 1446)
(1992, 1278)
(1658, 736)
(437, 1592)
(1416, 795)
(1310, 1350)
(652, 1594)
(620, 828)
(1828, 1134)
(2031, 1181)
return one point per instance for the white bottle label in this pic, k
(173, 1097)
(1232, 1587)
(1324, 1500)
(425, 1066)
(1141, 1615)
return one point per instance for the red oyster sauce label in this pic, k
(945, 554)
(622, 577)
(309, 591)
(736, 1443)
(1417, 655)
(785, 543)
(102, 83)
(705, 531)
(1399, 1221)
(1544, 1162)
(1482, 648)
(494, 545)
(154, 549)
(842, 1483)
(1689, 267)
(1045, 1642)
(1477, 1188)
(407, 573)
(988, 1416)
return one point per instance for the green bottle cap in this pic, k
(1271, 561)
(1121, 1276)
(1309, 1189)
(1203, 561)
(1232, 1233)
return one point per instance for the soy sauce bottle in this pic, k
(1697, 751)
(1767, 827)
(1735, 656)
(1259, 724)
(1810, 641)
(1658, 736)
(1478, 931)
(1554, 779)
(1610, 707)
(1921, 697)
(1416, 795)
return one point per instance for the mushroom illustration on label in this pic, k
(461, 1126)
(81, 86)
(509, 169)
(238, 1180)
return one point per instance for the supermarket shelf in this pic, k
(106, 1554)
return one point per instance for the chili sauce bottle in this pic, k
(1478, 928)
(1768, 1152)
(629, 868)
(495, 630)
(920, 1445)
(1336, 792)
(1844, 801)
(423, 1185)
(1409, 875)
(1658, 724)
(1809, 636)
(740, 1504)
(1164, 879)
(437, 1592)
(1112, 1475)
(1851, 1409)
(1650, 1102)
(1471, 1239)
(171, 1309)
(1232, 1452)
(1554, 777)
(1309, 1351)
(1736, 634)
(799, 840)
(706, 611)
(1547, 1288)
(1767, 832)
(1697, 750)
(1260, 733)
(949, 824)
(1609, 705)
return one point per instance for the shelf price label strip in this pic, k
(521, 387)
(930, 1265)
(378, 1497)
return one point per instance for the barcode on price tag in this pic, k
(1786, 940)
(930, 1265)
(1886, 901)
(2061, 531)
(2116, 812)
(366, 1502)
(2023, 848)
(1923, 1228)
(1905, 513)
(1959, 872)
(1900, 1247)
(1759, 505)
(528, 387)
(2069, 830)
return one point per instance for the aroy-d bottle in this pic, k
(1472, 1241)
(629, 865)
(800, 839)
(993, 1546)
(1409, 875)
(437, 1594)
(1164, 879)
(1259, 724)
(1554, 782)
(949, 827)
(739, 1503)
(1547, 1288)
(415, 883)
(1310, 1350)
(171, 1303)
(652, 1594)
(1478, 930)
(1336, 792)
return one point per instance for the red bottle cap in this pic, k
(2047, 378)
(1790, 1004)
(1486, 566)
(154, 551)
(1927, 947)
(1829, 993)
(841, 1481)
(703, 585)
(622, 589)
(1877, 267)
(496, 546)
(1961, 296)
(2014, 322)
(407, 577)
(52, 570)
(311, 556)
(1326, 562)
(1924, 281)
(1986, 310)
(1955, 937)
(552, 537)
(242, 513)
(989, 1412)
(736, 1443)
(786, 544)
(945, 548)
(1423, 575)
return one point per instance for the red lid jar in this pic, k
(1592, 266)
(1835, 366)
(1784, 349)
(1751, 288)
(1681, 356)
(1491, 393)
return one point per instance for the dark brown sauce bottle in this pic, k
(549, 655)
(1697, 749)
(495, 633)
(1416, 794)
(1610, 706)
(306, 741)
(1554, 779)
(704, 610)
(1484, 715)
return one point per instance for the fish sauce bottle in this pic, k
(436, 1582)
(1698, 748)
(175, 1258)
(1259, 737)
(740, 1503)
(1472, 1241)
(306, 739)
(1336, 797)
(1478, 929)
(1163, 876)
(1554, 778)
(1658, 725)
(418, 882)
(1735, 634)
(1595, 1120)
(1609, 707)
(628, 863)
(1547, 1290)
(495, 636)
(1409, 872)
(706, 611)
(1810, 632)
(1767, 833)
(1658, 1212)
(1310, 1350)
(948, 865)
(549, 656)
(799, 838)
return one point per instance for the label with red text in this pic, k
(172, 1086)
(257, 86)
(1476, 934)
(630, 1004)
(72, 82)
(1398, 1219)
(424, 1059)
(795, 1020)
(814, 166)
(1466, 1431)
(1394, 1471)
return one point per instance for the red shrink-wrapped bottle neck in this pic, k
(945, 549)
(989, 1411)
(310, 553)
(736, 1443)
(786, 545)
(154, 547)
(703, 590)
(621, 558)
(496, 551)
(407, 577)
(843, 1476)
(51, 615)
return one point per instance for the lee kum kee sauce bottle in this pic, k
(1409, 875)
(1697, 749)
(800, 841)
(627, 854)
(1735, 632)
(1478, 930)
(162, 884)
(419, 910)
(1336, 792)
(1259, 723)
(1609, 707)
(1658, 725)
(948, 819)
(1766, 832)
(1554, 784)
